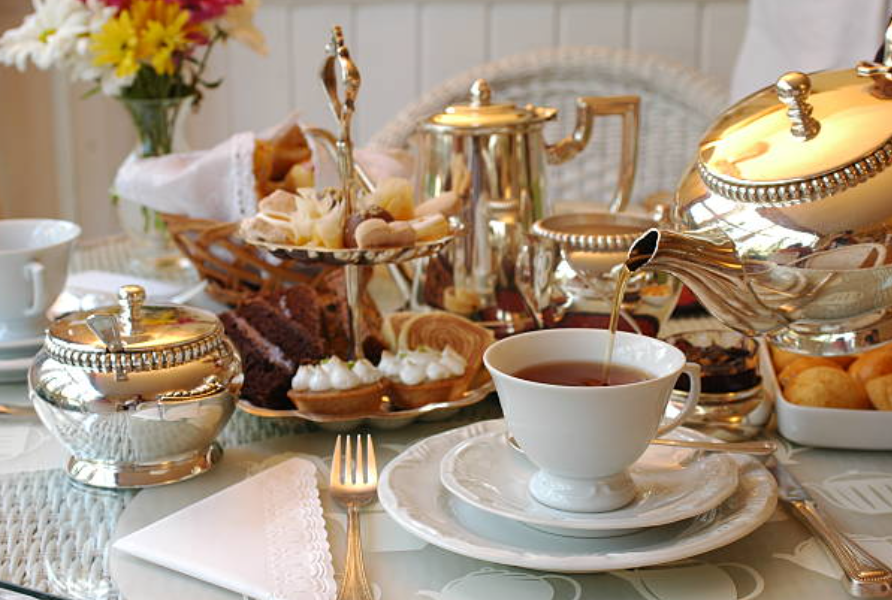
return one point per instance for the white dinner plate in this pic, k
(15, 370)
(411, 493)
(486, 472)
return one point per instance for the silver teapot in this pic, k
(137, 394)
(784, 219)
(494, 156)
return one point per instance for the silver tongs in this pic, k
(865, 576)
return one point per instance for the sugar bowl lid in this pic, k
(133, 336)
(482, 113)
(593, 231)
(805, 138)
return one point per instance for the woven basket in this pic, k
(232, 268)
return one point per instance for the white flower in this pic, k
(49, 36)
(80, 62)
(238, 23)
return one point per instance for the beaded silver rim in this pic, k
(805, 190)
(102, 361)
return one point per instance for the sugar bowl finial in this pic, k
(793, 89)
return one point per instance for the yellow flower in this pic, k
(117, 45)
(163, 38)
(149, 32)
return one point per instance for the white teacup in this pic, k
(34, 255)
(584, 439)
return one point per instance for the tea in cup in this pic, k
(583, 432)
(34, 256)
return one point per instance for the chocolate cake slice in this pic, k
(267, 370)
(298, 344)
(301, 304)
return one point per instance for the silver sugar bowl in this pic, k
(137, 394)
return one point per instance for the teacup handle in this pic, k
(36, 273)
(692, 370)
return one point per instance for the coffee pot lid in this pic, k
(134, 336)
(805, 138)
(482, 113)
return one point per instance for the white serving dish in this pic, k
(844, 428)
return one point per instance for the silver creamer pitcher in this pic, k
(494, 156)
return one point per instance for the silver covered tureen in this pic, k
(137, 394)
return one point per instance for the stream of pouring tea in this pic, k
(618, 296)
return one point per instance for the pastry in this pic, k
(826, 387)
(447, 204)
(334, 387)
(430, 227)
(394, 195)
(424, 376)
(879, 391)
(378, 233)
(870, 365)
(781, 358)
(290, 147)
(437, 330)
(373, 212)
(462, 301)
(429, 349)
(392, 326)
(300, 176)
(844, 361)
(803, 363)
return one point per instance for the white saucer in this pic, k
(411, 493)
(486, 472)
(20, 347)
(15, 370)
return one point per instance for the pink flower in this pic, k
(205, 10)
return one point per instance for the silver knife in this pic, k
(865, 576)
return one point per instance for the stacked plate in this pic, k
(465, 490)
(16, 356)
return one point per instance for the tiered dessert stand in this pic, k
(353, 258)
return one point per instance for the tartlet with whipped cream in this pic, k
(336, 387)
(424, 376)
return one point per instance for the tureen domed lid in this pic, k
(134, 336)
(805, 138)
(482, 113)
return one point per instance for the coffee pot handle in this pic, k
(587, 108)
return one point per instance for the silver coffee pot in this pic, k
(494, 156)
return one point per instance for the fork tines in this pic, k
(354, 468)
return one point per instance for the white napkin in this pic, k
(219, 183)
(806, 35)
(264, 537)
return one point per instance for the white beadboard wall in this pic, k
(58, 153)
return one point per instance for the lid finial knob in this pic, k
(131, 299)
(881, 73)
(481, 94)
(793, 89)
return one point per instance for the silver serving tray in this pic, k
(355, 256)
(386, 417)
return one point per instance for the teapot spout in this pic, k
(708, 264)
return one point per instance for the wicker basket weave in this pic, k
(232, 268)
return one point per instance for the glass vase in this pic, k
(160, 130)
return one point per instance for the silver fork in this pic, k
(353, 485)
